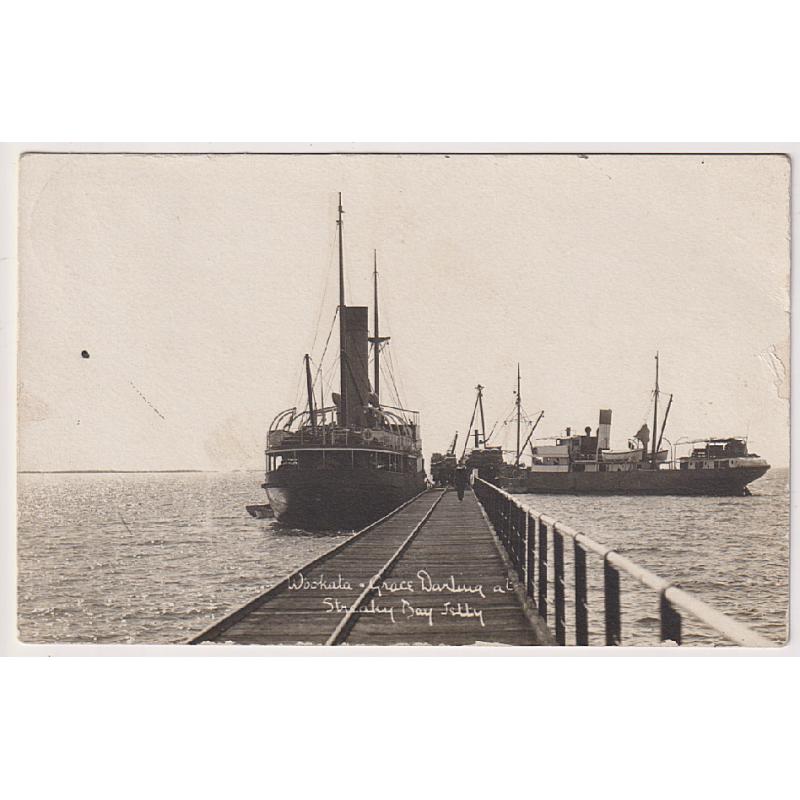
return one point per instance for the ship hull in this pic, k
(316, 500)
(718, 482)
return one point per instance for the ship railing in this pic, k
(535, 544)
(411, 417)
(291, 420)
(330, 436)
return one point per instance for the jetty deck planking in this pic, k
(454, 547)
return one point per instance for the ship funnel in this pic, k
(604, 429)
(355, 370)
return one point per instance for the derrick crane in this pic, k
(452, 449)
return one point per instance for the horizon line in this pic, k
(120, 471)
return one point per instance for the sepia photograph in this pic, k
(425, 365)
(476, 400)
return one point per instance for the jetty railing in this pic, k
(525, 533)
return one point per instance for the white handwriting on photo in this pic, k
(384, 604)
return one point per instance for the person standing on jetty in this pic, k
(460, 480)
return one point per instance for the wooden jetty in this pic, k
(438, 571)
(432, 572)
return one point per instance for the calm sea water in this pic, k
(732, 552)
(145, 558)
(154, 558)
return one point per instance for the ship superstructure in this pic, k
(584, 463)
(344, 464)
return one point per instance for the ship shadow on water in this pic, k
(279, 530)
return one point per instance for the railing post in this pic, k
(512, 532)
(531, 555)
(525, 576)
(542, 601)
(520, 536)
(558, 555)
(670, 620)
(511, 529)
(581, 607)
(611, 603)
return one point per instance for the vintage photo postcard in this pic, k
(423, 399)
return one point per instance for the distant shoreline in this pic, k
(122, 471)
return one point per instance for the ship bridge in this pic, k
(386, 428)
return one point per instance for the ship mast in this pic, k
(655, 414)
(342, 328)
(478, 402)
(377, 340)
(483, 422)
(519, 408)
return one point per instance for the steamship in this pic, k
(344, 465)
(586, 464)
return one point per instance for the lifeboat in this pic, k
(629, 456)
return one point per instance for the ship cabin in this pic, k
(718, 454)
(581, 447)
(388, 439)
(575, 453)
(588, 452)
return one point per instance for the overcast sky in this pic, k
(197, 283)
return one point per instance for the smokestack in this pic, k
(604, 429)
(355, 370)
